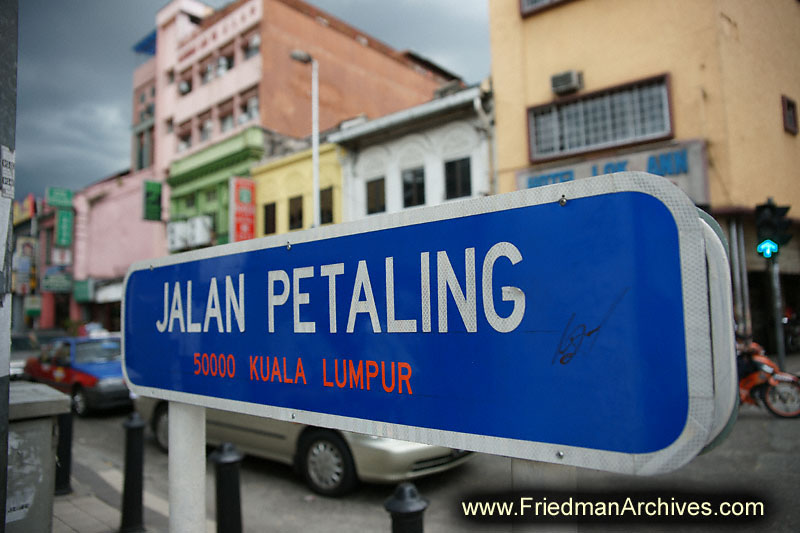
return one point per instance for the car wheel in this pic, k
(79, 403)
(161, 426)
(326, 463)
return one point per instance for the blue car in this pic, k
(89, 369)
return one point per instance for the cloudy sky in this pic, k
(76, 65)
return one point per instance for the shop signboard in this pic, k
(242, 209)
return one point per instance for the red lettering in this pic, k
(356, 376)
(285, 378)
(336, 373)
(212, 369)
(373, 373)
(231, 365)
(325, 381)
(383, 377)
(205, 364)
(276, 370)
(299, 373)
(197, 362)
(263, 377)
(401, 377)
(252, 368)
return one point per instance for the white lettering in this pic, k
(363, 306)
(392, 325)
(300, 298)
(446, 278)
(509, 294)
(276, 299)
(332, 271)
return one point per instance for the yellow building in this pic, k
(703, 92)
(284, 191)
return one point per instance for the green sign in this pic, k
(152, 200)
(64, 222)
(58, 197)
(83, 290)
(57, 280)
(32, 305)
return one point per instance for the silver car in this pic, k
(332, 462)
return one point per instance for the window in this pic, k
(141, 97)
(185, 85)
(224, 63)
(211, 196)
(188, 201)
(170, 126)
(457, 178)
(413, 186)
(789, 115)
(614, 117)
(153, 91)
(226, 123)
(376, 196)
(249, 109)
(528, 7)
(296, 212)
(184, 141)
(207, 71)
(251, 45)
(170, 77)
(269, 219)
(326, 206)
(206, 129)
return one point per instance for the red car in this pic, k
(89, 369)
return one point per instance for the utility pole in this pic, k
(9, 10)
(772, 226)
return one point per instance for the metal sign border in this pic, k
(700, 416)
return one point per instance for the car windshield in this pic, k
(97, 351)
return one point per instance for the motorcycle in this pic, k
(762, 381)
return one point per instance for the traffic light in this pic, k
(772, 226)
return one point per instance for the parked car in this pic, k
(27, 345)
(331, 462)
(89, 369)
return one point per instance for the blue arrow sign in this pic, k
(767, 248)
(461, 325)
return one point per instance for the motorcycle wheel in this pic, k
(783, 399)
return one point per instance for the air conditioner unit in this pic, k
(255, 41)
(567, 82)
(183, 87)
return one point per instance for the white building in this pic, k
(437, 152)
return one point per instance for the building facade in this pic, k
(106, 244)
(284, 191)
(703, 93)
(214, 75)
(425, 155)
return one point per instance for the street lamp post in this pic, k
(305, 57)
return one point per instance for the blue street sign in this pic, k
(569, 321)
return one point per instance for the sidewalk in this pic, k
(94, 504)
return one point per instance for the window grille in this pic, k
(606, 119)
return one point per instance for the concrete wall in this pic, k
(728, 63)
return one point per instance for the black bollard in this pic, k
(226, 471)
(64, 454)
(132, 520)
(406, 507)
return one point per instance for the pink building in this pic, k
(110, 234)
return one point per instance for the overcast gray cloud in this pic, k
(76, 66)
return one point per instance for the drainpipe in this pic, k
(486, 125)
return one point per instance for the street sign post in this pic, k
(565, 324)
